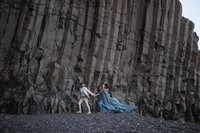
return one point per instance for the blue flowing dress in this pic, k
(110, 104)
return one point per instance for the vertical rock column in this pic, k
(186, 65)
(104, 42)
(191, 92)
(197, 102)
(121, 41)
(128, 55)
(158, 57)
(172, 53)
(95, 41)
(168, 58)
(179, 100)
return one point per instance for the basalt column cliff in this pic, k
(144, 49)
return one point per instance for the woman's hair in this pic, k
(101, 84)
(106, 85)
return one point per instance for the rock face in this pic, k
(144, 49)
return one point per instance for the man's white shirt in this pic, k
(85, 92)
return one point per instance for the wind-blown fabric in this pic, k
(110, 104)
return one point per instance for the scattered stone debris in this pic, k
(95, 122)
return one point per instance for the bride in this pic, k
(110, 104)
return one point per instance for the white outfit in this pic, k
(84, 93)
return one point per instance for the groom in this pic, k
(84, 96)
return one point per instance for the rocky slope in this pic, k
(144, 49)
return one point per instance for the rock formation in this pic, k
(144, 49)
